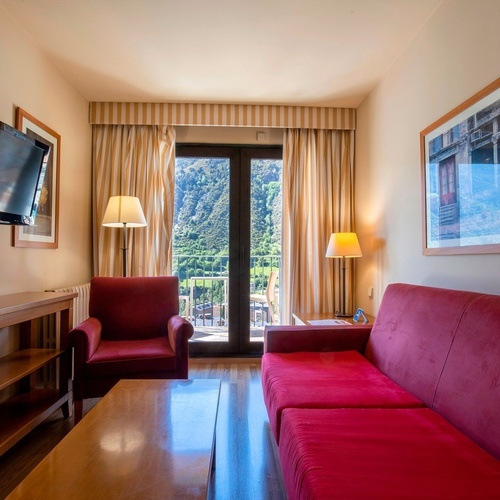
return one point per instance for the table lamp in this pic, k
(124, 212)
(343, 246)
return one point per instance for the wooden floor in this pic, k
(247, 466)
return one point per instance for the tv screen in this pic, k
(23, 161)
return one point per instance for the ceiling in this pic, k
(284, 52)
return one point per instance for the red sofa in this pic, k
(408, 408)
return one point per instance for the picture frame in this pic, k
(460, 170)
(44, 234)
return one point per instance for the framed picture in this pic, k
(44, 233)
(461, 178)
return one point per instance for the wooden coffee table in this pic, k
(144, 439)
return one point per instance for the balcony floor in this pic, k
(219, 334)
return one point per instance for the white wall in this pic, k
(229, 135)
(29, 81)
(455, 55)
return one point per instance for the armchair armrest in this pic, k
(85, 338)
(180, 330)
(316, 339)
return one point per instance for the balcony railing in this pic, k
(203, 282)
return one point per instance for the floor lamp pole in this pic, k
(124, 249)
(124, 212)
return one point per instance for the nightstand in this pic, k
(306, 319)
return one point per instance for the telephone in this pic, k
(358, 314)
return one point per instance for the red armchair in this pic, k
(134, 331)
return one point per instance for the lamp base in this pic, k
(343, 315)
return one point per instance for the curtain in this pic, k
(318, 199)
(133, 160)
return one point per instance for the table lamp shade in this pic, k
(343, 245)
(124, 210)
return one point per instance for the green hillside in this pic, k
(202, 207)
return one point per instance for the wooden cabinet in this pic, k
(29, 406)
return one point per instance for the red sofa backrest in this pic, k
(468, 393)
(444, 347)
(134, 308)
(412, 335)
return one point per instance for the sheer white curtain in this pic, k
(134, 160)
(318, 199)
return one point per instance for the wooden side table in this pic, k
(30, 405)
(315, 319)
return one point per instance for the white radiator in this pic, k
(47, 335)
(80, 303)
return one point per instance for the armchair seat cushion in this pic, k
(113, 357)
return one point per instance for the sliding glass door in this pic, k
(226, 244)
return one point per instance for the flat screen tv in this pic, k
(23, 161)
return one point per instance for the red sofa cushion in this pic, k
(412, 334)
(326, 380)
(130, 356)
(382, 454)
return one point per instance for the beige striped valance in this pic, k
(229, 115)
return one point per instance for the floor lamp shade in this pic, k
(343, 246)
(124, 212)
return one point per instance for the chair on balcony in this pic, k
(269, 297)
(134, 331)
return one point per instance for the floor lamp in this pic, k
(124, 212)
(343, 246)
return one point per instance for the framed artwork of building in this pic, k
(460, 156)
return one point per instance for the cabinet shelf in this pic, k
(29, 406)
(19, 364)
(23, 412)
